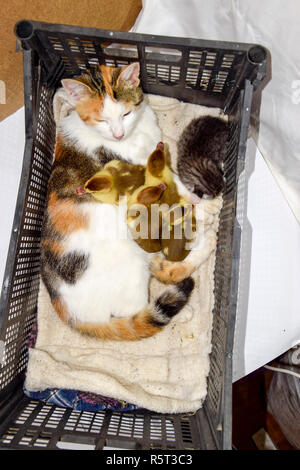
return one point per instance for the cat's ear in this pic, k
(130, 74)
(151, 194)
(98, 184)
(76, 89)
(156, 162)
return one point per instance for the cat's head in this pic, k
(108, 98)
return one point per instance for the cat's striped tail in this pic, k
(144, 324)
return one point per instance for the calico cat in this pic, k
(97, 281)
(202, 149)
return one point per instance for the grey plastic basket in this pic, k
(211, 73)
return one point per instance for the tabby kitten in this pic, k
(201, 150)
(91, 274)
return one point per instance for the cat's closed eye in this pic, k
(126, 114)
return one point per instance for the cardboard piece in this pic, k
(105, 14)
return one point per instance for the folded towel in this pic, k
(74, 399)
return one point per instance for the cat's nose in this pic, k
(119, 136)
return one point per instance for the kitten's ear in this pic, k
(130, 74)
(151, 194)
(156, 162)
(77, 90)
(98, 183)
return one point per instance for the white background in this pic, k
(268, 314)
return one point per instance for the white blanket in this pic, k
(166, 373)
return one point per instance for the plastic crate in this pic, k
(211, 73)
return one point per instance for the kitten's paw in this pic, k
(170, 272)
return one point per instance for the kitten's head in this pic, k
(108, 98)
(210, 182)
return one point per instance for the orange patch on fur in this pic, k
(122, 329)
(107, 73)
(65, 215)
(170, 273)
(59, 149)
(61, 310)
(54, 246)
(116, 330)
(90, 109)
(143, 327)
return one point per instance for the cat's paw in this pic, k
(170, 272)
